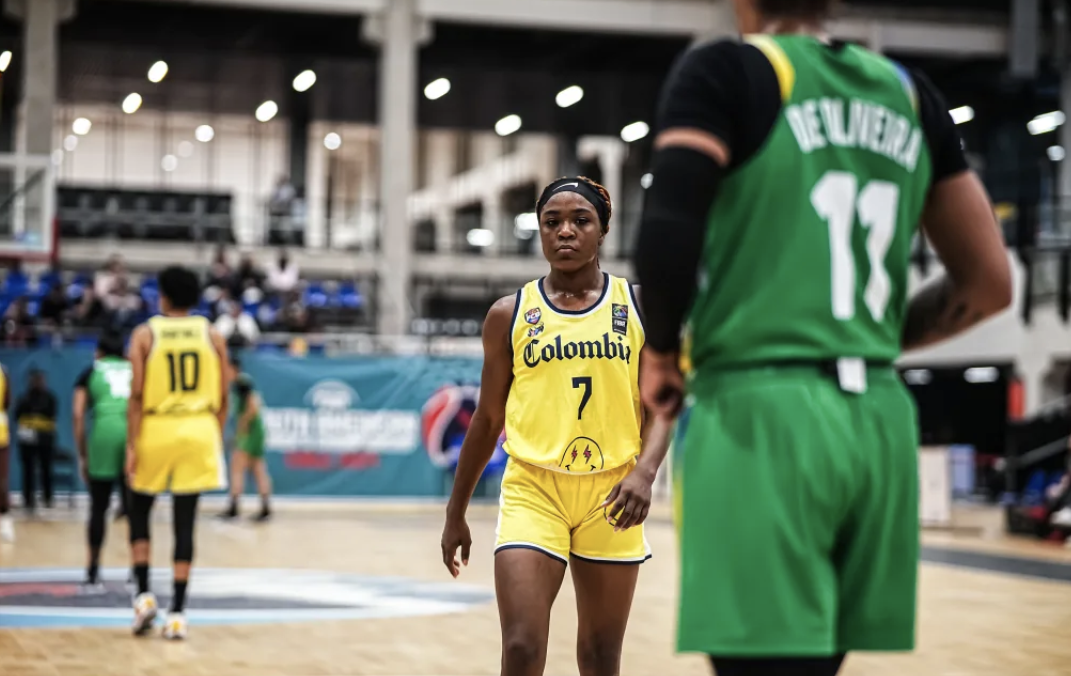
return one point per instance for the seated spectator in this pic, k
(19, 323)
(237, 326)
(108, 276)
(294, 317)
(54, 307)
(283, 274)
(246, 277)
(90, 312)
(124, 304)
(219, 273)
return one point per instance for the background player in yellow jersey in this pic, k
(561, 363)
(177, 410)
(7, 525)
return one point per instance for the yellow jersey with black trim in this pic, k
(183, 374)
(574, 405)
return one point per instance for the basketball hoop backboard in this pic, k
(27, 207)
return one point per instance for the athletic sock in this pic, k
(141, 574)
(265, 504)
(178, 599)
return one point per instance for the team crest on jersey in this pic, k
(583, 454)
(533, 316)
(536, 330)
(619, 319)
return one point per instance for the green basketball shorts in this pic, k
(797, 510)
(252, 443)
(106, 448)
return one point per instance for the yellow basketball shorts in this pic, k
(562, 515)
(183, 454)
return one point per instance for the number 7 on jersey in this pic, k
(585, 382)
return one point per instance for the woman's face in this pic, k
(570, 231)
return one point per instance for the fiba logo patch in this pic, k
(583, 454)
(445, 419)
(619, 319)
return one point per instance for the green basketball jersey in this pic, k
(109, 388)
(807, 245)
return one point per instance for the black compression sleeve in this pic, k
(671, 239)
(942, 137)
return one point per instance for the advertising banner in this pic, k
(360, 426)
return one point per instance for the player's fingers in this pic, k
(619, 504)
(614, 492)
(628, 511)
(643, 514)
(448, 559)
(466, 547)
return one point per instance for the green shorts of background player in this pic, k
(249, 450)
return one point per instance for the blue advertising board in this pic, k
(360, 426)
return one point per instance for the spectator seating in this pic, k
(334, 304)
(89, 213)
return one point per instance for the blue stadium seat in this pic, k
(350, 297)
(16, 284)
(315, 296)
(75, 291)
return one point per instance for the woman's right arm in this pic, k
(490, 416)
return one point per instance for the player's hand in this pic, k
(131, 463)
(661, 383)
(83, 471)
(456, 534)
(629, 501)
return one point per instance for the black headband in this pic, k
(582, 188)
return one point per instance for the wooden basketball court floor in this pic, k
(994, 607)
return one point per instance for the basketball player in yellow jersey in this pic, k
(177, 410)
(561, 363)
(7, 526)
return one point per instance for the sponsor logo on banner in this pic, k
(445, 420)
(331, 433)
(43, 597)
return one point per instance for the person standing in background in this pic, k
(104, 389)
(249, 449)
(35, 420)
(7, 526)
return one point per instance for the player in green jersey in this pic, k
(249, 450)
(103, 389)
(791, 172)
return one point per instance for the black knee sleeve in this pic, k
(140, 510)
(100, 494)
(185, 507)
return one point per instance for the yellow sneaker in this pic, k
(145, 611)
(175, 627)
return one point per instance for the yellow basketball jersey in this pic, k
(574, 405)
(183, 372)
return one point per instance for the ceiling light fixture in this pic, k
(570, 96)
(267, 111)
(304, 81)
(131, 103)
(158, 71)
(437, 89)
(508, 125)
(635, 132)
(962, 114)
